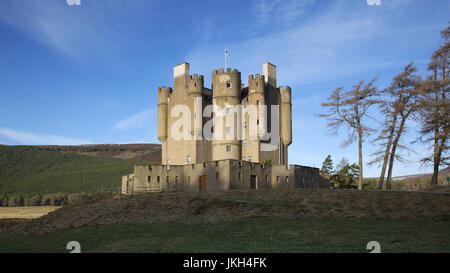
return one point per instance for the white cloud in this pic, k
(136, 120)
(39, 139)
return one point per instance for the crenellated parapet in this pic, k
(221, 71)
(195, 84)
(256, 83)
(226, 83)
(163, 94)
(285, 94)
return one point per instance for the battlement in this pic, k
(196, 77)
(256, 77)
(221, 175)
(164, 89)
(285, 89)
(223, 71)
(285, 93)
(195, 84)
(163, 94)
(256, 83)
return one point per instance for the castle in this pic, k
(231, 136)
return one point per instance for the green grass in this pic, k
(252, 235)
(28, 171)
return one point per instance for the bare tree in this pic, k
(385, 137)
(399, 104)
(349, 109)
(406, 87)
(434, 107)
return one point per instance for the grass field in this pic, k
(240, 221)
(28, 171)
(25, 212)
(252, 235)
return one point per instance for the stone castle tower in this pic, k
(236, 135)
(223, 138)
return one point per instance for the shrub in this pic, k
(58, 199)
(73, 197)
(33, 201)
(45, 200)
(15, 201)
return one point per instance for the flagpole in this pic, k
(225, 59)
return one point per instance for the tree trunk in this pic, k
(383, 168)
(394, 148)
(437, 163)
(386, 153)
(360, 163)
(437, 147)
(391, 164)
(436, 158)
(434, 178)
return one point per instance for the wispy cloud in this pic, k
(343, 40)
(70, 30)
(279, 11)
(136, 120)
(28, 138)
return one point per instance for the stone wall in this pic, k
(221, 175)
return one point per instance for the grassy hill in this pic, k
(31, 170)
(299, 220)
(421, 182)
(143, 152)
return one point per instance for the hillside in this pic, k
(242, 204)
(442, 173)
(144, 152)
(298, 220)
(31, 170)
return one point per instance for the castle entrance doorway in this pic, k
(202, 183)
(253, 182)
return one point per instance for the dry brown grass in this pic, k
(25, 212)
(238, 205)
(439, 188)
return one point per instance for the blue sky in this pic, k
(89, 73)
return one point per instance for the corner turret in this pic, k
(163, 96)
(286, 115)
